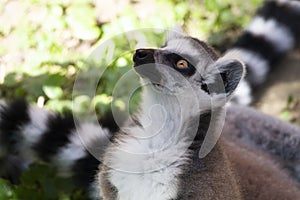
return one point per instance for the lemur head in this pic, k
(184, 65)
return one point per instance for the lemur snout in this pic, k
(144, 65)
(143, 56)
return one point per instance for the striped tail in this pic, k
(273, 32)
(29, 134)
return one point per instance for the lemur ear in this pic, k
(231, 72)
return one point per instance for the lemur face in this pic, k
(185, 62)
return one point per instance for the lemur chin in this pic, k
(185, 88)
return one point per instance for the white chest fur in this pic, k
(151, 176)
(146, 162)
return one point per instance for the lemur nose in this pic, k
(143, 56)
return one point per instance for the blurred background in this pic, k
(44, 44)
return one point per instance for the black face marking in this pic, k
(143, 56)
(203, 86)
(173, 58)
(144, 64)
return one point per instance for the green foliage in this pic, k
(54, 43)
(45, 45)
(40, 182)
(6, 190)
(221, 20)
(291, 111)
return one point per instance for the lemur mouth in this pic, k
(159, 87)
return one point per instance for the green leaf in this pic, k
(53, 92)
(33, 85)
(10, 80)
(24, 192)
(6, 190)
(54, 80)
(59, 105)
(290, 100)
(81, 19)
(285, 115)
(52, 86)
(210, 5)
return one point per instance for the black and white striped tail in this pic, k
(29, 134)
(273, 32)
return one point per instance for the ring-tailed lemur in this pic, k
(28, 133)
(158, 158)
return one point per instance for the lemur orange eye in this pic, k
(182, 64)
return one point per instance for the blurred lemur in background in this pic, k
(257, 156)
